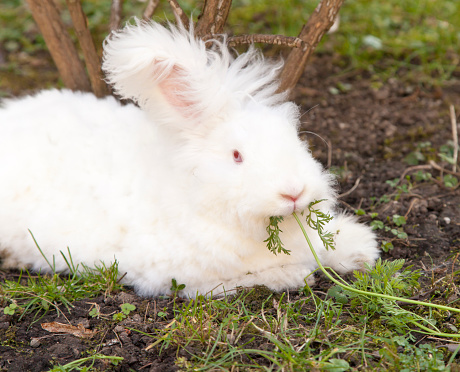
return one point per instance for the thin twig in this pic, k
(346, 204)
(411, 205)
(453, 120)
(150, 9)
(351, 190)
(115, 14)
(146, 312)
(181, 17)
(431, 165)
(121, 278)
(289, 41)
(329, 154)
(414, 168)
(443, 170)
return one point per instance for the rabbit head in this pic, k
(233, 139)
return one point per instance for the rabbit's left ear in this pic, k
(168, 73)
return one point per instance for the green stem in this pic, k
(393, 298)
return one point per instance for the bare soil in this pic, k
(370, 128)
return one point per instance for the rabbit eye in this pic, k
(237, 156)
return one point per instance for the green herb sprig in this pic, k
(274, 243)
(317, 220)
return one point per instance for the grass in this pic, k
(82, 363)
(38, 293)
(298, 331)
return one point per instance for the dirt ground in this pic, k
(370, 129)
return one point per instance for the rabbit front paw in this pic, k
(355, 246)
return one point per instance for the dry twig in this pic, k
(355, 186)
(115, 14)
(150, 9)
(411, 205)
(443, 170)
(181, 17)
(292, 42)
(414, 168)
(453, 120)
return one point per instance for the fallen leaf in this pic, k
(78, 331)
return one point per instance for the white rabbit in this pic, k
(182, 187)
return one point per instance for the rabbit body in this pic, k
(182, 187)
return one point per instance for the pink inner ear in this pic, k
(177, 91)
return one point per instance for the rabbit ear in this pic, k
(172, 75)
(177, 89)
(167, 72)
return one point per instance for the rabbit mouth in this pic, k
(290, 208)
(293, 202)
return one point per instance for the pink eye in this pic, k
(237, 156)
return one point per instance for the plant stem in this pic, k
(393, 298)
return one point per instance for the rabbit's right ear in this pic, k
(166, 71)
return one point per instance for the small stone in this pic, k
(124, 338)
(136, 318)
(432, 217)
(382, 94)
(119, 329)
(390, 129)
(126, 298)
(84, 322)
(35, 342)
(447, 220)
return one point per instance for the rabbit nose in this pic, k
(294, 196)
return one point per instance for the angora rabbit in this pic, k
(182, 187)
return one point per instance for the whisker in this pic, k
(328, 146)
(306, 112)
(315, 134)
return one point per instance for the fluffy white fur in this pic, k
(158, 188)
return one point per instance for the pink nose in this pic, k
(294, 198)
